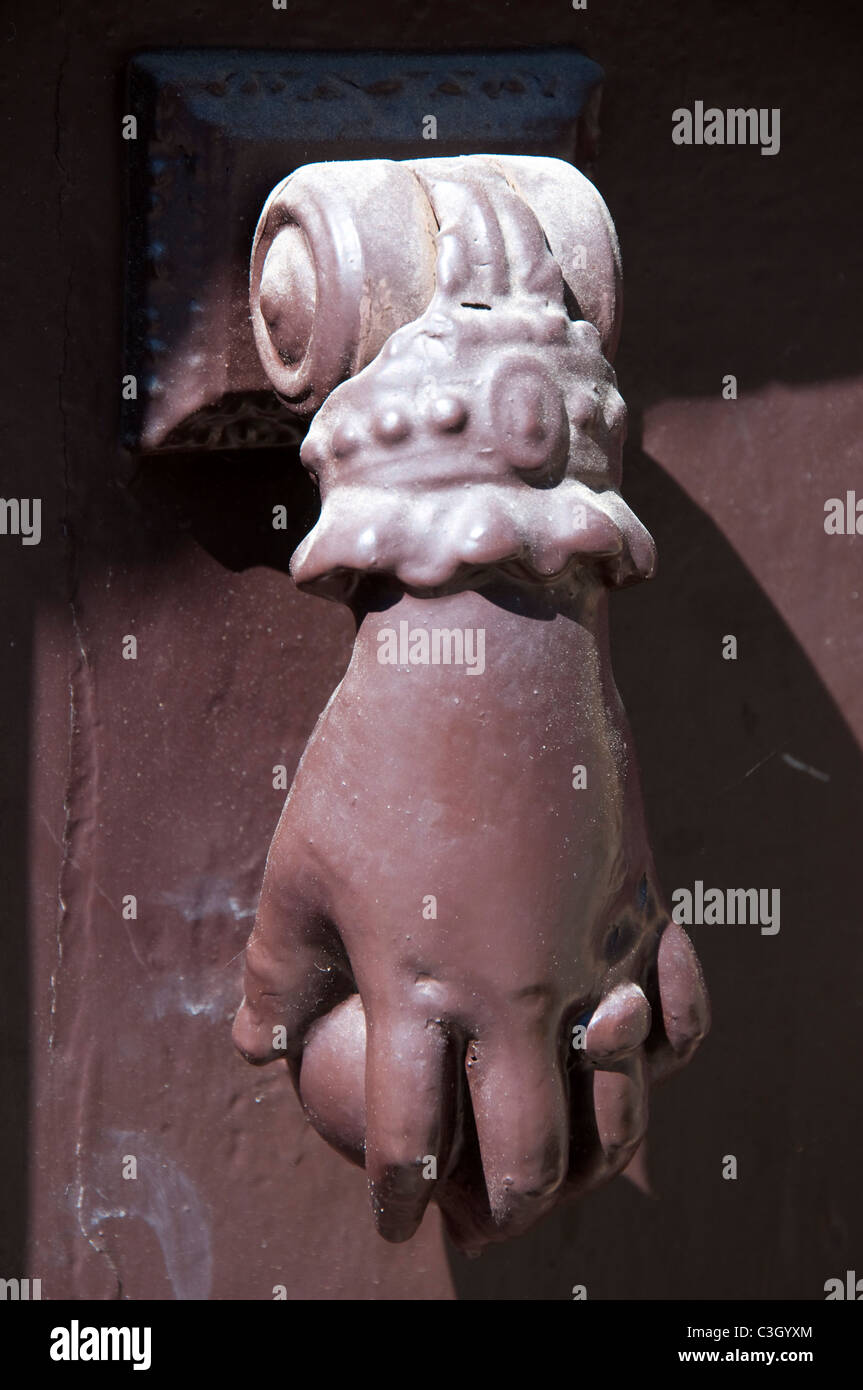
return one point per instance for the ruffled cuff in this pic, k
(486, 433)
(428, 537)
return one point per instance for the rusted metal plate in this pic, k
(216, 129)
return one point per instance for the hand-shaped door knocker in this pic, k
(461, 949)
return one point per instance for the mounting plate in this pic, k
(218, 128)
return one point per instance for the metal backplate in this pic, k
(216, 129)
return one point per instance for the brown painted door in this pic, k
(151, 779)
